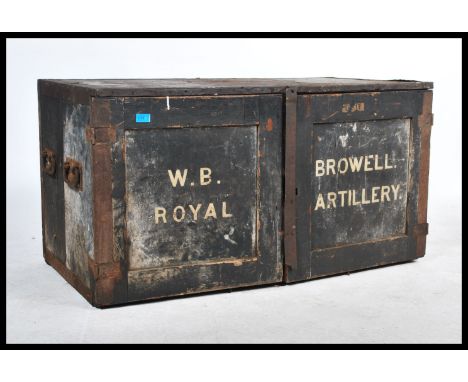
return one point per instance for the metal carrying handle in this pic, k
(48, 161)
(72, 174)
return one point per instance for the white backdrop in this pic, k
(437, 60)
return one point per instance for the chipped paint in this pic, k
(79, 238)
(360, 182)
(343, 139)
(192, 207)
(228, 236)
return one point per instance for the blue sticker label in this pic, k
(143, 118)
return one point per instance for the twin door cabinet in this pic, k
(160, 188)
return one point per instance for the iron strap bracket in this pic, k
(421, 229)
(425, 121)
(290, 244)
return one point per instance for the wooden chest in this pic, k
(158, 188)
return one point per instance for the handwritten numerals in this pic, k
(351, 108)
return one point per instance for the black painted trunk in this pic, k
(171, 187)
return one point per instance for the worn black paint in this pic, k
(218, 86)
(52, 116)
(191, 111)
(218, 107)
(317, 254)
(343, 222)
(239, 139)
(66, 234)
(79, 234)
(230, 154)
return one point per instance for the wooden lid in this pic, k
(219, 86)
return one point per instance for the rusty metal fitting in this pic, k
(48, 161)
(72, 174)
